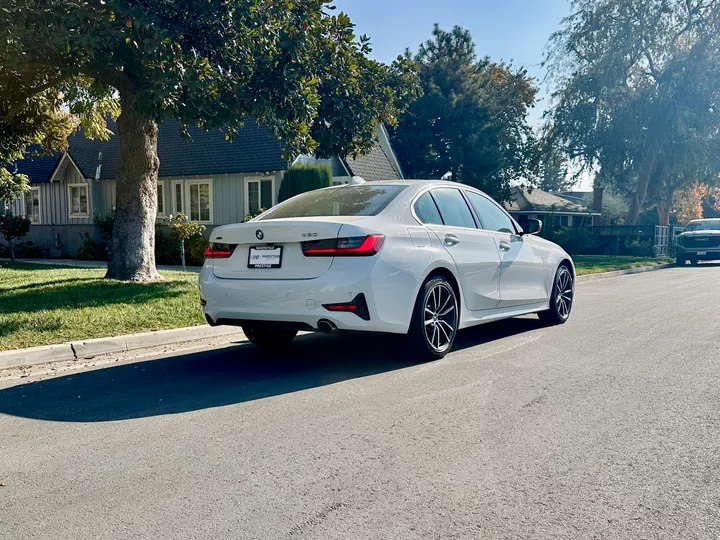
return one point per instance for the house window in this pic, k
(200, 201)
(32, 205)
(260, 193)
(562, 222)
(161, 198)
(78, 200)
(177, 197)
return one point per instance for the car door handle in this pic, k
(451, 240)
(505, 246)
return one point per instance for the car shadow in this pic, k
(230, 375)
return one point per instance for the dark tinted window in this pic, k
(703, 226)
(491, 215)
(427, 211)
(363, 200)
(453, 208)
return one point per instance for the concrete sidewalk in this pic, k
(97, 264)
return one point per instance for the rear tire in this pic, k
(269, 339)
(694, 262)
(435, 320)
(562, 297)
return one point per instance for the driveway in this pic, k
(607, 427)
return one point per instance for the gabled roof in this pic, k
(39, 169)
(374, 166)
(539, 201)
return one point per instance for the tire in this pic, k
(679, 261)
(561, 300)
(694, 262)
(269, 339)
(435, 320)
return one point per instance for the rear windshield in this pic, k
(703, 226)
(360, 200)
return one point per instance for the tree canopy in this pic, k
(638, 94)
(471, 121)
(292, 65)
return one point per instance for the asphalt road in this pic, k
(606, 427)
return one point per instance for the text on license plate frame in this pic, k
(265, 265)
(701, 253)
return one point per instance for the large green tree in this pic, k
(638, 95)
(471, 121)
(288, 63)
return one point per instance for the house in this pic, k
(555, 211)
(206, 177)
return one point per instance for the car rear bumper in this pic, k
(299, 303)
(702, 254)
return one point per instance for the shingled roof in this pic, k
(206, 152)
(539, 201)
(374, 166)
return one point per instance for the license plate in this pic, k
(265, 257)
(702, 252)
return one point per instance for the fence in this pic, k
(665, 239)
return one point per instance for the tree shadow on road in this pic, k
(219, 377)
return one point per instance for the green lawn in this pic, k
(41, 305)
(595, 264)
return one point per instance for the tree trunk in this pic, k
(132, 255)
(638, 199)
(664, 207)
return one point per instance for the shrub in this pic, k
(574, 240)
(185, 229)
(90, 250)
(303, 177)
(640, 248)
(13, 228)
(195, 250)
(167, 246)
(105, 224)
(248, 217)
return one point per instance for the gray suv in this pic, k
(699, 242)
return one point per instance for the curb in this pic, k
(87, 349)
(588, 278)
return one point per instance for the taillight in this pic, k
(219, 251)
(355, 246)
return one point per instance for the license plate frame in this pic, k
(270, 258)
(701, 253)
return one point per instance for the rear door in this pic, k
(474, 252)
(523, 261)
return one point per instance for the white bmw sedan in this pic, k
(420, 258)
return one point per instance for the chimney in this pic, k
(597, 205)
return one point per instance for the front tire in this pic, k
(269, 339)
(435, 320)
(561, 299)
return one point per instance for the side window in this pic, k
(453, 208)
(427, 211)
(492, 217)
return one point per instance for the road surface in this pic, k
(606, 427)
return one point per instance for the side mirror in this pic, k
(533, 226)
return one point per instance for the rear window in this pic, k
(361, 200)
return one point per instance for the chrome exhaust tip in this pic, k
(327, 327)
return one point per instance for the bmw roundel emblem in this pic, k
(259, 234)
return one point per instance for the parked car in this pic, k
(699, 242)
(420, 258)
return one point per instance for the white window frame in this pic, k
(161, 185)
(173, 200)
(23, 203)
(87, 197)
(259, 179)
(187, 207)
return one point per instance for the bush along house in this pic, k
(213, 181)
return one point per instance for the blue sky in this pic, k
(502, 29)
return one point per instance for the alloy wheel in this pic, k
(564, 292)
(440, 317)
